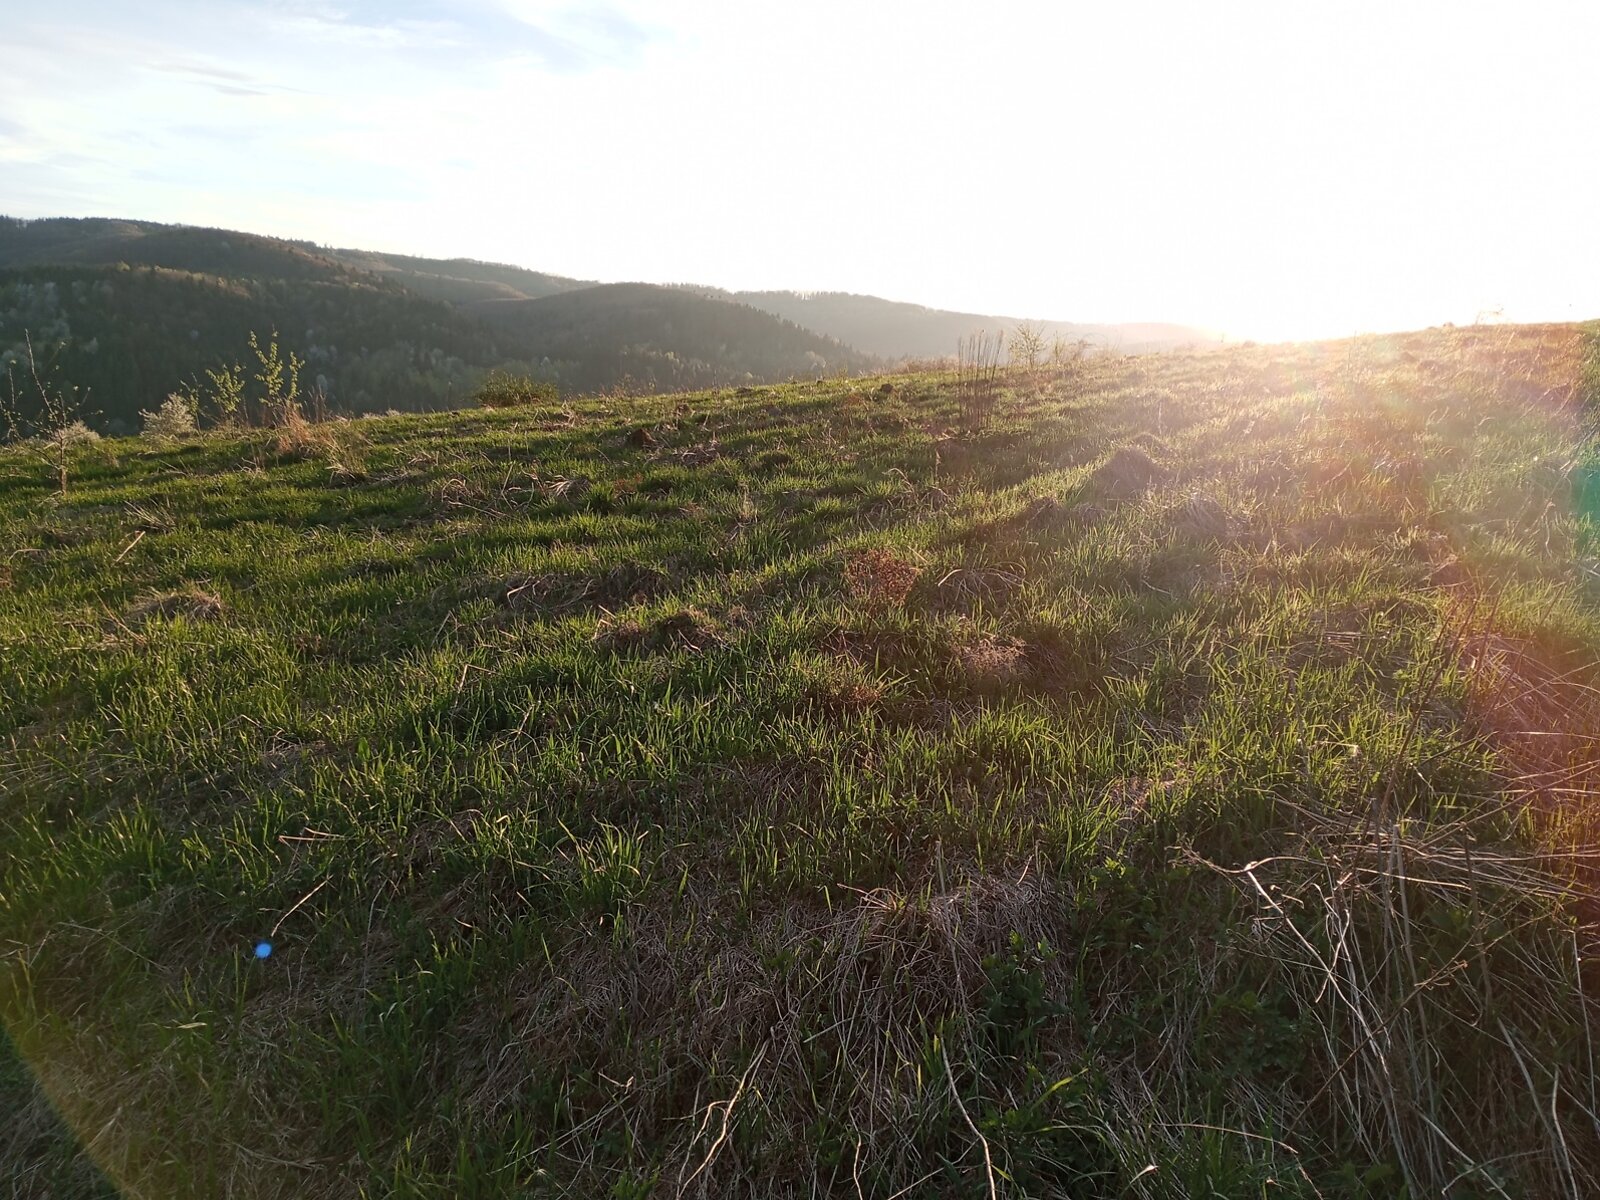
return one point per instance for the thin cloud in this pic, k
(218, 79)
(178, 67)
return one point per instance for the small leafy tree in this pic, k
(279, 378)
(225, 391)
(225, 394)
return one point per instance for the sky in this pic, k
(1270, 170)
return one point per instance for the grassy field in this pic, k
(1173, 782)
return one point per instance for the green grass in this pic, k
(1131, 797)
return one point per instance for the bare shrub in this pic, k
(75, 434)
(978, 378)
(1027, 348)
(47, 426)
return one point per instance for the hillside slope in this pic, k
(1175, 780)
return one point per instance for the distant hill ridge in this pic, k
(893, 329)
(127, 311)
(460, 280)
(131, 309)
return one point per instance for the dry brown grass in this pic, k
(880, 577)
(964, 587)
(191, 602)
(813, 1005)
(1203, 517)
(557, 591)
(840, 686)
(1540, 708)
(686, 629)
(335, 441)
(1345, 921)
(992, 663)
(571, 489)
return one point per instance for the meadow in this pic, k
(1154, 776)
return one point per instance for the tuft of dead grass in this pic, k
(297, 437)
(570, 490)
(558, 591)
(880, 577)
(687, 629)
(192, 603)
(1541, 712)
(840, 686)
(1202, 517)
(964, 587)
(697, 454)
(1349, 931)
(992, 663)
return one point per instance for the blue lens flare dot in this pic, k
(263, 949)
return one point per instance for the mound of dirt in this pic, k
(1128, 472)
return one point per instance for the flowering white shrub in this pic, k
(74, 434)
(174, 419)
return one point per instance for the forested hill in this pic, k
(460, 280)
(130, 335)
(131, 310)
(95, 242)
(666, 339)
(127, 311)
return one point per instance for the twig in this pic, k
(727, 1119)
(296, 907)
(1588, 1033)
(988, 1162)
(128, 549)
